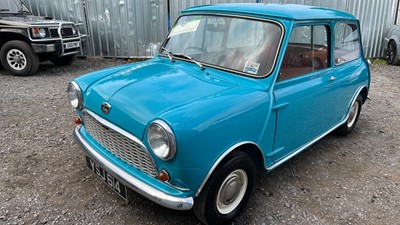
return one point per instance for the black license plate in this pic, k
(107, 178)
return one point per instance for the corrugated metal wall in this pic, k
(334, 4)
(135, 28)
(375, 17)
(126, 28)
(176, 6)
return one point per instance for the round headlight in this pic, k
(73, 30)
(42, 32)
(161, 140)
(74, 95)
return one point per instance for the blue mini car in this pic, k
(235, 89)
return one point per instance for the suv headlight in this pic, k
(39, 32)
(74, 95)
(73, 30)
(161, 140)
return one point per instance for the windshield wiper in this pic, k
(4, 10)
(169, 53)
(190, 58)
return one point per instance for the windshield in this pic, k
(243, 45)
(12, 6)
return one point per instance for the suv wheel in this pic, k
(19, 58)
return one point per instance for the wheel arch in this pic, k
(11, 35)
(364, 94)
(249, 148)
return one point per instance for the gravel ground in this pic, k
(43, 178)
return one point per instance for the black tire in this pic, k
(210, 207)
(391, 56)
(349, 125)
(64, 61)
(18, 58)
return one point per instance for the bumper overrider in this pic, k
(153, 194)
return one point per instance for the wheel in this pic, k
(391, 57)
(349, 125)
(18, 58)
(64, 61)
(227, 191)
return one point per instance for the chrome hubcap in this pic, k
(232, 191)
(353, 114)
(16, 59)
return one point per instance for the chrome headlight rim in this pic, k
(169, 135)
(77, 93)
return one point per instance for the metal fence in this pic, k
(135, 28)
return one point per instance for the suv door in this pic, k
(303, 92)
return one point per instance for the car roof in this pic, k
(287, 11)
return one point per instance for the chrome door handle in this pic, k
(332, 78)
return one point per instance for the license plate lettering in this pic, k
(74, 44)
(107, 178)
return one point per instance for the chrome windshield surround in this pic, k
(140, 159)
(233, 16)
(150, 192)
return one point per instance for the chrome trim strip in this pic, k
(256, 18)
(319, 137)
(221, 158)
(153, 194)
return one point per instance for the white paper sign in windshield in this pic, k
(185, 28)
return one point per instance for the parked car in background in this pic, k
(26, 40)
(235, 90)
(391, 45)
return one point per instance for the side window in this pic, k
(307, 51)
(347, 42)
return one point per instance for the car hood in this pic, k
(25, 21)
(143, 92)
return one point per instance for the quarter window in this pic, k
(306, 52)
(347, 42)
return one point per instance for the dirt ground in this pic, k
(338, 180)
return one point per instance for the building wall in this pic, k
(136, 28)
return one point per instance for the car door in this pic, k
(303, 95)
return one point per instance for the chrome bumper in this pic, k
(133, 183)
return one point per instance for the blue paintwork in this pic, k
(212, 110)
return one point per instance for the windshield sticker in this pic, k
(251, 67)
(185, 27)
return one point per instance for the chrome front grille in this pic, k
(126, 148)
